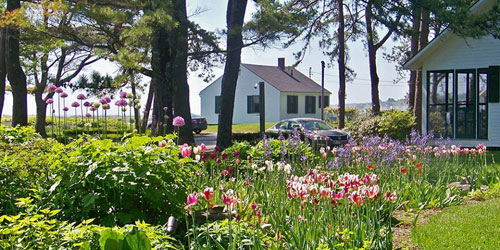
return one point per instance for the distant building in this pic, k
(461, 86)
(288, 94)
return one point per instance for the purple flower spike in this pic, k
(75, 105)
(64, 95)
(51, 88)
(81, 97)
(49, 101)
(178, 121)
(59, 90)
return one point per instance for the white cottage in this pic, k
(288, 94)
(461, 86)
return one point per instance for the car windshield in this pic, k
(315, 125)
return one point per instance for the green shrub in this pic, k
(396, 124)
(118, 183)
(35, 228)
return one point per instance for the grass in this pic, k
(241, 128)
(473, 226)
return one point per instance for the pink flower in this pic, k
(59, 90)
(224, 156)
(51, 88)
(162, 144)
(123, 94)
(75, 105)
(88, 115)
(108, 99)
(87, 104)
(208, 193)
(228, 198)
(203, 147)
(103, 101)
(254, 206)
(49, 101)
(236, 154)
(64, 95)
(178, 122)
(65, 109)
(192, 200)
(81, 97)
(185, 150)
(165, 109)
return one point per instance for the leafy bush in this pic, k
(118, 183)
(396, 124)
(35, 228)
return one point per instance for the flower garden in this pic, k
(150, 193)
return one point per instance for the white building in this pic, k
(461, 86)
(288, 94)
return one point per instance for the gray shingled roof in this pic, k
(285, 81)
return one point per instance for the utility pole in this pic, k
(262, 107)
(322, 90)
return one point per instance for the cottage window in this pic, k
(440, 103)
(217, 104)
(458, 103)
(326, 100)
(310, 105)
(253, 105)
(292, 104)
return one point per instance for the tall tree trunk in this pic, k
(136, 111)
(162, 111)
(341, 60)
(3, 70)
(147, 108)
(15, 73)
(179, 71)
(234, 20)
(424, 39)
(413, 51)
(41, 105)
(372, 58)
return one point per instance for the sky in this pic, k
(211, 15)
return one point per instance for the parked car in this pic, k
(198, 123)
(316, 129)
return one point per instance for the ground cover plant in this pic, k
(280, 194)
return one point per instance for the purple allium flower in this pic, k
(87, 104)
(108, 99)
(165, 109)
(123, 102)
(64, 95)
(81, 97)
(178, 121)
(75, 105)
(59, 90)
(51, 88)
(65, 109)
(49, 101)
(103, 101)
(92, 109)
(88, 115)
(123, 94)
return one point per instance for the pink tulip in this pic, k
(203, 147)
(185, 150)
(192, 200)
(208, 193)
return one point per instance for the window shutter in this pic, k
(493, 84)
(249, 104)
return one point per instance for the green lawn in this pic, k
(241, 128)
(474, 226)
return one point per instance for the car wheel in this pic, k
(197, 132)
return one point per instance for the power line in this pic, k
(358, 79)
